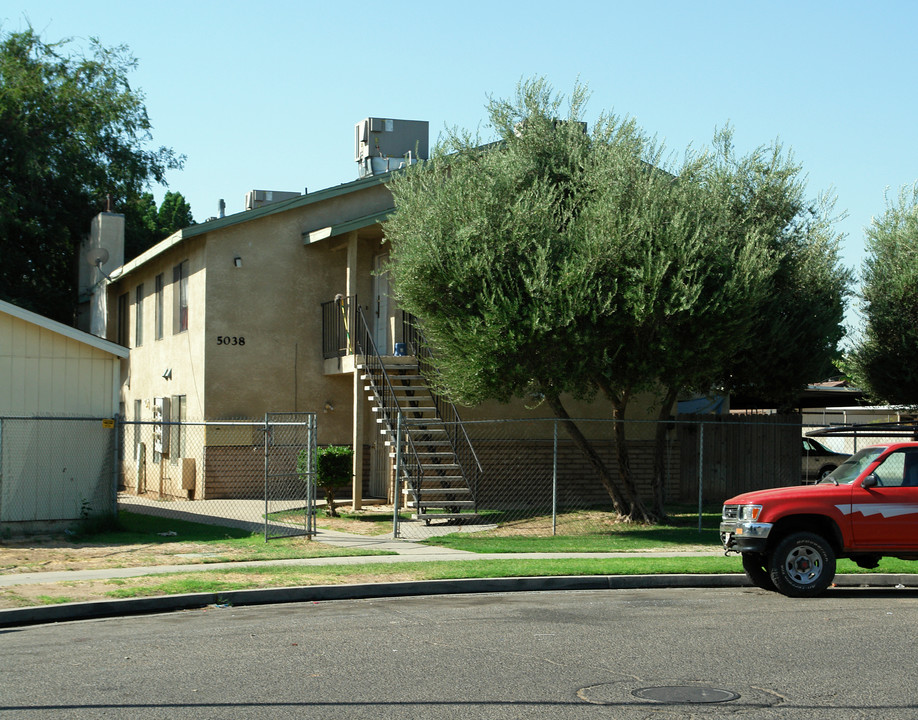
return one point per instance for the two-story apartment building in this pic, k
(271, 310)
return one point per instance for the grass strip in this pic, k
(297, 576)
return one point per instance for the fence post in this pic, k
(700, 472)
(554, 484)
(116, 462)
(311, 478)
(398, 465)
(266, 477)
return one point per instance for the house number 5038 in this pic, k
(227, 340)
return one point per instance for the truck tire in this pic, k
(756, 567)
(802, 565)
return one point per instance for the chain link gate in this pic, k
(290, 475)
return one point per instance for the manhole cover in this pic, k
(673, 698)
(685, 694)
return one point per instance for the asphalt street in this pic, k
(649, 653)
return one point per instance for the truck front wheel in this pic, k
(802, 565)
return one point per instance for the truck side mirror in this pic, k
(870, 481)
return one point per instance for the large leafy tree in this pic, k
(799, 322)
(883, 360)
(73, 138)
(146, 225)
(559, 261)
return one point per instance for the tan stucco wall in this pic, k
(642, 410)
(182, 353)
(45, 373)
(254, 343)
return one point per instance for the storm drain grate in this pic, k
(685, 694)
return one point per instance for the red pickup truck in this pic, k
(866, 509)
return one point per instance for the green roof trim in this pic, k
(284, 205)
(313, 236)
(237, 218)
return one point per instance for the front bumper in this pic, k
(744, 536)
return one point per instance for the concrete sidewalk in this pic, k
(403, 551)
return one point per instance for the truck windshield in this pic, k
(848, 471)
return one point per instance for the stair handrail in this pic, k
(446, 409)
(365, 343)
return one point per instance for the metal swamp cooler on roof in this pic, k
(383, 144)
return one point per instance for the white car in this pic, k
(818, 460)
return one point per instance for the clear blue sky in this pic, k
(265, 95)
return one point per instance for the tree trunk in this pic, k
(621, 505)
(658, 483)
(639, 511)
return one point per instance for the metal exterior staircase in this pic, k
(437, 468)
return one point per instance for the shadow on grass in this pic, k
(584, 530)
(128, 528)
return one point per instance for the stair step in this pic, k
(425, 443)
(440, 504)
(423, 457)
(434, 483)
(434, 491)
(410, 408)
(443, 516)
(421, 389)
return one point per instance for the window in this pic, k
(123, 332)
(180, 297)
(159, 307)
(138, 407)
(138, 316)
(177, 432)
(899, 469)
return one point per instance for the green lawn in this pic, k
(230, 543)
(264, 577)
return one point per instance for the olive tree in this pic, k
(558, 262)
(883, 359)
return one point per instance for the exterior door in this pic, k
(886, 515)
(380, 309)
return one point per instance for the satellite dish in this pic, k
(97, 257)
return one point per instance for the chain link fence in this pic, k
(536, 481)
(260, 474)
(55, 470)
(252, 474)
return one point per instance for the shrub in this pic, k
(333, 470)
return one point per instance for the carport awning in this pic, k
(314, 236)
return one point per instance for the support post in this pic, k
(700, 472)
(396, 491)
(554, 484)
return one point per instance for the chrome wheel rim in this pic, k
(803, 565)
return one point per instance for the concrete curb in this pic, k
(322, 593)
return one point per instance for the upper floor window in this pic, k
(124, 320)
(138, 316)
(180, 296)
(158, 320)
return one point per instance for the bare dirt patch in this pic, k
(52, 554)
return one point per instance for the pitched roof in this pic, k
(65, 330)
(180, 236)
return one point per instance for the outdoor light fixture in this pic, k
(237, 261)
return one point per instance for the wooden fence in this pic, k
(739, 453)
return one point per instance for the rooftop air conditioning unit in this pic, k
(384, 144)
(259, 198)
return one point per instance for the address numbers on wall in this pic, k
(230, 340)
